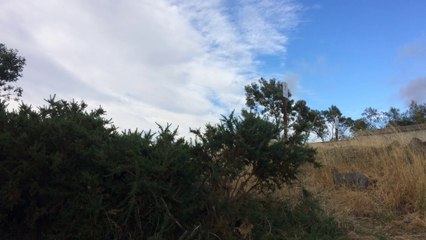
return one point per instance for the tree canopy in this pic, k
(394, 117)
(11, 67)
(266, 98)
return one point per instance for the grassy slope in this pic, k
(395, 208)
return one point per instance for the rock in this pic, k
(351, 179)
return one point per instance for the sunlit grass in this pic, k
(399, 194)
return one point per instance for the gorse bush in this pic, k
(240, 161)
(305, 220)
(52, 162)
(67, 173)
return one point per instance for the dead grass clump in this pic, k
(410, 223)
(354, 203)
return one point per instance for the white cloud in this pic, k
(183, 62)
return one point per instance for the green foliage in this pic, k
(66, 173)
(359, 125)
(308, 120)
(236, 144)
(345, 123)
(266, 99)
(305, 220)
(158, 191)
(49, 161)
(11, 66)
(396, 118)
(375, 119)
(416, 113)
(240, 160)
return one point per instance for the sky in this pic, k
(186, 62)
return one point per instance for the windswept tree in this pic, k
(266, 98)
(344, 123)
(11, 66)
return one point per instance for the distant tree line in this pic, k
(375, 119)
(265, 97)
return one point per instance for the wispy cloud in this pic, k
(161, 61)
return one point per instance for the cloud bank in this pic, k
(180, 61)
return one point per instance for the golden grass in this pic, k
(394, 208)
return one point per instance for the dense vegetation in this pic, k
(67, 173)
(265, 97)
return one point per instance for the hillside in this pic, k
(395, 206)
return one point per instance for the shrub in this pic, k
(240, 165)
(66, 173)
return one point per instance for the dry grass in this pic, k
(395, 208)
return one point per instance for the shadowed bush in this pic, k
(66, 173)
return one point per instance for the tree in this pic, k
(358, 126)
(239, 144)
(308, 120)
(265, 98)
(417, 113)
(239, 159)
(11, 66)
(374, 118)
(394, 117)
(345, 123)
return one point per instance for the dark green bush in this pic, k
(306, 220)
(242, 163)
(52, 163)
(66, 173)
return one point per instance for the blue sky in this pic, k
(186, 62)
(363, 53)
(356, 54)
